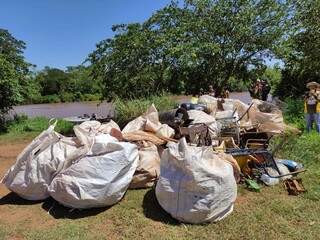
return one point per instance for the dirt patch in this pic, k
(8, 155)
(13, 208)
(241, 200)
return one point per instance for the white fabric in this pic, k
(202, 117)
(148, 169)
(38, 163)
(210, 102)
(270, 122)
(195, 184)
(149, 122)
(99, 179)
(87, 131)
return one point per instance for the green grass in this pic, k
(24, 127)
(293, 113)
(127, 110)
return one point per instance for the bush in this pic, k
(66, 97)
(126, 110)
(50, 99)
(91, 97)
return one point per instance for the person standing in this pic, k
(265, 90)
(312, 107)
(255, 90)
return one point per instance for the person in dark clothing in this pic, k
(265, 89)
(312, 110)
(254, 89)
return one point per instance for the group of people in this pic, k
(260, 90)
(312, 106)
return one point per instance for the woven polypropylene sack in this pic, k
(195, 184)
(38, 163)
(99, 179)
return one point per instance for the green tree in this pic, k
(81, 81)
(53, 81)
(301, 58)
(189, 45)
(9, 86)
(273, 76)
(13, 71)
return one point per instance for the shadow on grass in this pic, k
(14, 199)
(58, 211)
(153, 210)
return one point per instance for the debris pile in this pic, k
(195, 156)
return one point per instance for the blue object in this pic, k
(291, 165)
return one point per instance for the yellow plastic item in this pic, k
(194, 100)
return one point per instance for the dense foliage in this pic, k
(13, 70)
(302, 61)
(185, 46)
(191, 44)
(74, 84)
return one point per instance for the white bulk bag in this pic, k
(148, 169)
(149, 122)
(195, 184)
(86, 131)
(200, 117)
(38, 163)
(210, 102)
(99, 179)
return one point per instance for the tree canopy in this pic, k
(13, 70)
(301, 58)
(191, 44)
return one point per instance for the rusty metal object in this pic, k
(294, 186)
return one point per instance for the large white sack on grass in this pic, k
(148, 169)
(99, 179)
(195, 184)
(149, 122)
(87, 131)
(38, 163)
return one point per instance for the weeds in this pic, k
(127, 110)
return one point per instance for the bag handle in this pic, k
(52, 123)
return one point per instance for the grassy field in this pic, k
(270, 214)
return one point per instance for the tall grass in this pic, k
(127, 110)
(293, 113)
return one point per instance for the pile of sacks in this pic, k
(97, 166)
(265, 116)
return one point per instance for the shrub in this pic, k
(91, 97)
(51, 99)
(126, 110)
(66, 97)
